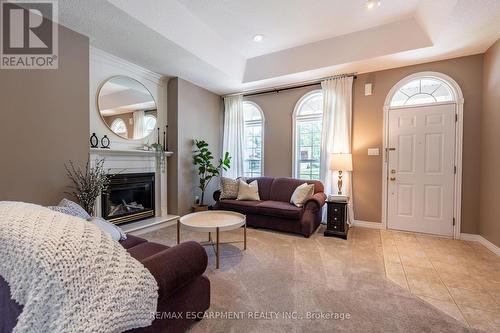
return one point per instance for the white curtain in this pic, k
(234, 126)
(139, 124)
(336, 133)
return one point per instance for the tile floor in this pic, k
(460, 278)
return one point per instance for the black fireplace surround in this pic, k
(129, 197)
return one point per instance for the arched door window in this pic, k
(422, 91)
(308, 120)
(149, 124)
(119, 127)
(253, 146)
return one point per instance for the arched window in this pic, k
(149, 124)
(308, 119)
(253, 145)
(119, 127)
(422, 91)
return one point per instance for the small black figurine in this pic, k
(94, 141)
(105, 142)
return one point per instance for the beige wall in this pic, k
(490, 153)
(173, 130)
(367, 133)
(278, 109)
(193, 113)
(44, 124)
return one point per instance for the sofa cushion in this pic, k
(110, 228)
(248, 191)
(265, 184)
(229, 187)
(244, 207)
(145, 250)
(69, 207)
(280, 209)
(301, 194)
(282, 188)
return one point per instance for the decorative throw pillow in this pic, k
(301, 194)
(64, 210)
(113, 230)
(248, 191)
(76, 209)
(229, 188)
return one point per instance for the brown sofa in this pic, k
(274, 210)
(179, 272)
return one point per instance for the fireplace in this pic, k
(129, 197)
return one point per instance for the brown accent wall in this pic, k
(44, 124)
(367, 133)
(489, 226)
(193, 113)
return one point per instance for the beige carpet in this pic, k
(283, 275)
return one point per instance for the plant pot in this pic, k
(200, 208)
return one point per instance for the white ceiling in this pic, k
(209, 42)
(288, 23)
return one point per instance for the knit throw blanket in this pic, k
(69, 276)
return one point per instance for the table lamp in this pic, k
(340, 162)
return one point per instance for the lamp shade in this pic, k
(341, 162)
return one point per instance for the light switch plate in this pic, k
(368, 89)
(373, 151)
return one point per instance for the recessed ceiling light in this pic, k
(258, 38)
(370, 4)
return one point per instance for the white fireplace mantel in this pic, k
(137, 161)
(104, 152)
(126, 155)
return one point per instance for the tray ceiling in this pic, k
(210, 42)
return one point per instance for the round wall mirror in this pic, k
(127, 107)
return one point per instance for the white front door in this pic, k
(421, 160)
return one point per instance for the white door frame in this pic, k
(459, 111)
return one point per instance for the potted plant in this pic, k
(203, 160)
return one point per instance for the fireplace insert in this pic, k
(129, 197)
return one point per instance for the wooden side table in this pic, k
(336, 225)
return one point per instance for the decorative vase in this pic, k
(94, 141)
(105, 142)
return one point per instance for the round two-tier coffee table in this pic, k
(213, 221)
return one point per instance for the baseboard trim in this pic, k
(480, 239)
(367, 224)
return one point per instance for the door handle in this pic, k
(392, 179)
